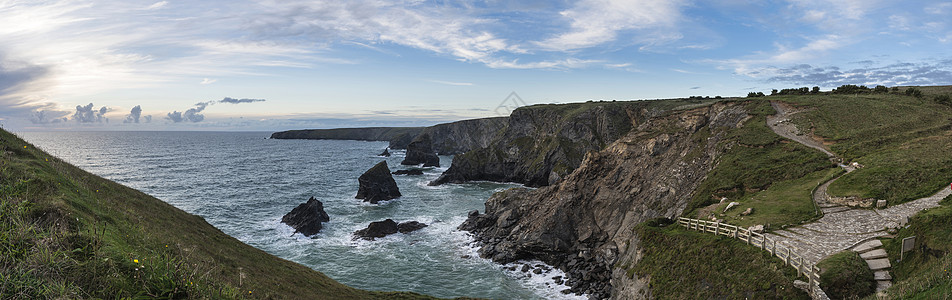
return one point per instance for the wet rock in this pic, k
(387, 227)
(385, 153)
(377, 229)
(408, 172)
(420, 151)
(410, 226)
(307, 218)
(537, 271)
(525, 268)
(377, 184)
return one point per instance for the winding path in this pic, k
(841, 227)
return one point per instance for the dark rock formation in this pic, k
(410, 226)
(420, 151)
(387, 227)
(385, 153)
(543, 143)
(584, 223)
(408, 172)
(377, 184)
(307, 217)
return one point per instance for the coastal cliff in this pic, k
(585, 223)
(543, 143)
(447, 138)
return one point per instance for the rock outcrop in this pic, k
(385, 153)
(377, 184)
(307, 218)
(447, 139)
(462, 136)
(543, 143)
(584, 223)
(420, 151)
(387, 227)
(408, 172)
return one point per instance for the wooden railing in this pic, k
(786, 253)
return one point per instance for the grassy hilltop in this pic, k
(66, 233)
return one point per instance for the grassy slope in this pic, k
(684, 264)
(925, 272)
(845, 275)
(65, 233)
(903, 141)
(761, 169)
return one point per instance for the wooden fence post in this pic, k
(763, 242)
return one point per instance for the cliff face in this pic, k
(447, 139)
(584, 224)
(459, 137)
(542, 143)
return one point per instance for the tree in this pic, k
(773, 92)
(816, 90)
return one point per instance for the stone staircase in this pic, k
(877, 260)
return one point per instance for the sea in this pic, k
(243, 183)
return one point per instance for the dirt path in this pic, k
(842, 228)
(780, 123)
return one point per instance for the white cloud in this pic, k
(208, 81)
(595, 22)
(157, 5)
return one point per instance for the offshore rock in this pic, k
(387, 227)
(385, 153)
(420, 151)
(584, 223)
(377, 184)
(307, 218)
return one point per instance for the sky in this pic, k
(292, 64)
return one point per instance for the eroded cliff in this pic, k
(584, 223)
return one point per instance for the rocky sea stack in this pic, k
(420, 151)
(377, 184)
(307, 218)
(385, 153)
(387, 227)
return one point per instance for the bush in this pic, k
(845, 275)
(914, 92)
(659, 222)
(754, 95)
(943, 99)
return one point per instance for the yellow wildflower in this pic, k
(135, 260)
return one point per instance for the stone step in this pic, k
(882, 275)
(878, 264)
(868, 245)
(827, 205)
(882, 285)
(874, 254)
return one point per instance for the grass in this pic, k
(66, 233)
(903, 141)
(926, 271)
(845, 275)
(754, 159)
(784, 203)
(684, 264)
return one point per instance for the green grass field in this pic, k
(66, 233)
(903, 141)
(685, 264)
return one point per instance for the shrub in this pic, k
(880, 89)
(914, 92)
(943, 99)
(845, 275)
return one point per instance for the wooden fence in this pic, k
(784, 252)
